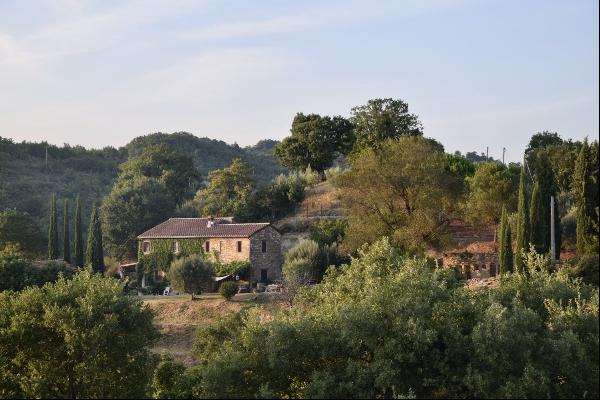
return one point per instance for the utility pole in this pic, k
(503, 152)
(487, 153)
(552, 231)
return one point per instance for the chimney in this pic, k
(210, 222)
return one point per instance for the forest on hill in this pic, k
(30, 171)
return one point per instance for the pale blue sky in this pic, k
(478, 73)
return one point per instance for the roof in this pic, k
(181, 228)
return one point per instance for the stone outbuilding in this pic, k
(221, 238)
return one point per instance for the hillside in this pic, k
(29, 172)
(178, 318)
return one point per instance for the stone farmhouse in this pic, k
(221, 238)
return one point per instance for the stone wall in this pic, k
(472, 265)
(226, 249)
(270, 260)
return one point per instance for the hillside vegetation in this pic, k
(30, 172)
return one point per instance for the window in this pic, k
(175, 247)
(207, 246)
(264, 246)
(146, 248)
(239, 244)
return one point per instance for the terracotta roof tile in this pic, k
(199, 227)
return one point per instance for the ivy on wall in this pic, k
(161, 254)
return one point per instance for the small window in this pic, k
(264, 246)
(146, 248)
(207, 246)
(175, 247)
(239, 245)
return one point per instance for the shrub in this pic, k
(17, 273)
(240, 268)
(77, 338)
(328, 231)
(387, 325)
(191, 274)
(228, 290)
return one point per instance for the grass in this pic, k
(178, 317)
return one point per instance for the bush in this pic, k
(191, 275)
(328, 231)
(240, 268)
(387, 325)
(17, 273)
(228, 290)
(77, 338)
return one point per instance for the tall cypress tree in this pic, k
(66, 238)
(522, 223)
(53, 252)
(505, 256)
(94, 255)
(78, 243)
(586, 201)
(548, 188)
(536, 231)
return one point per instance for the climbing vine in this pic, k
(161, 254)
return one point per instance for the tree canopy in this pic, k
(77, 338)
(316, 141)
(228, 191)
(492, 187)
(402, 190)
(382, 119)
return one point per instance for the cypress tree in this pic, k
(53, 252)
(78, 261)
(535, 227)
(522, 223)
(66, 238)
(584, 187)
(505, 256)
(94, 255)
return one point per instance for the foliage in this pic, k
(387, 325)
(132, 207)
(161, 255)
(174, 170)
(382, 119)
(78, 338)
(78, 242)
(228, 192)
(14, 272)
(492, 187)
(461, 168)
(191, 274)
(228, 290)
(505, 255)
(585, 188)
(27, 177)
(333, 172)
(277, 198)
(328, 231)
(66, 237)
(239, 268)
(171, 381)
(308, 254)
(20, 230)
(546, 182)
(210, 154)
(522, 222)
(53, 230)
(586, 267)
(94, 253)
(403, 190)
(315, 141)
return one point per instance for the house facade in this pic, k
(222, 239)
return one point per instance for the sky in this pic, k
(477, 73)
